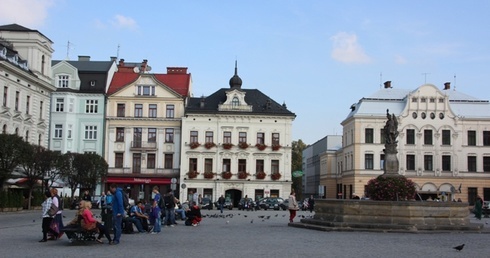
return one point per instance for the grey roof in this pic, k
(261, 104)
(395, 100)
(88, 66)
(89, 71)
(19, 28)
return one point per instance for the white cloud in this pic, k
(124, 22)
(27, 13)
(400, 59)
(346, 49)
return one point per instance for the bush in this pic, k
(10, 199)
(390, 188)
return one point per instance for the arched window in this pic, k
(39, 140)
(17, 131)
(235, 102)
(43, 62)
(27, 136)
(4, 129)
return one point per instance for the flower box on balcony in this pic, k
(276, 176)
(209, 145)
(226, 175)
(243, 145)
(261, 146)
(194, 145)
(276, 147)
(243, 175)
(208, 175)
(227, 146)
(192, 174)
(260, 175)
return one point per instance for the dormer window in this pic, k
(235, 102)
(63, 81)
(145, 90)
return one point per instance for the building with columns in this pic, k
(143, 127)
(236, 142)
(443, 143)
(25, 79)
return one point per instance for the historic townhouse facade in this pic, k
(25, 83)
(78, 104)
(143, 127)
(443, 143)
(236, 142)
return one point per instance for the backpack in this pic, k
(169, 202)
(125, 201)
(161, 203)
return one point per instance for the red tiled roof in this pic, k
(180, 83)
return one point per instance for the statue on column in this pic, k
(391, 165)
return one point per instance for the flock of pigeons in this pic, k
(262, 217)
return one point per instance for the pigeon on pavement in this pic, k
(459, 247)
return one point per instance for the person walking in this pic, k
(156, 211)
(117, 212)
(311, 203)
(57, 222)
(47, 219)
(169, 209)
(221, 203)
(293, 206)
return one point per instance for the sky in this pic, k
(317, 56)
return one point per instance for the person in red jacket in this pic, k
(90, 223)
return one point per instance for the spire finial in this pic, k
(236, 67)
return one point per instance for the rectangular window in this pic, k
(410, 136)
(260, 138)
(150, 160)
(446, 137)
(120, 134)
(152, 110)
(63, 81)
(382, 161)
(169, 161)
(71, 104)
(274, 166)
(471, 163)
(118, 163)
(194, 137)
(152, 134)
(17, 95)
(428, 163)
(242, 137)
(471, 138)
(446, 163)
(91, 106)
(145, 90)
(259, 165)
(58, 131)
(226, 137)
(410, 162)
(428, 137)
(137, 163)
(90, 132)
(60, 103)
(369, 135)
(5, 95)
(275, 138)
(170, 113)
(68, 132)
(208, 165)
(209, 136)
(226, 165)
(242, 165)
(382, 136)
(369, 161)
(486, 164)
(28, 102)
(121, 110)
(486, 138)
(169, 135)
(137, 137)
(138, 110)
(40, 110)
(192, 164)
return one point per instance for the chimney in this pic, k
(83, 58)
(144, 65)
(121, 62)
(387, 84)
(176, 70)
(113, 59)
(447, 86)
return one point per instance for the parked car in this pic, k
(250, 204)
(206, 204)
(486, 205)
(228, 204)
(272, 203)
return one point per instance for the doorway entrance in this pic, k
(234, 195)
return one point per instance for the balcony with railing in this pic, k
(143, 145)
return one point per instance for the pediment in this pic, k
(235, 101)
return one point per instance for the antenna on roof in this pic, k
(68, 47)
(380, 79)
(454, 82)
(425, 77)
(117, 55)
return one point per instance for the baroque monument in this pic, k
(391, 164)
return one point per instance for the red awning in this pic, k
(139, 180)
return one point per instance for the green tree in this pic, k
(10, 155)
(297, 164)
(94, 169)
(29, 160)
(69, 172)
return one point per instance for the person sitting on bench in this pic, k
(90, 223)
